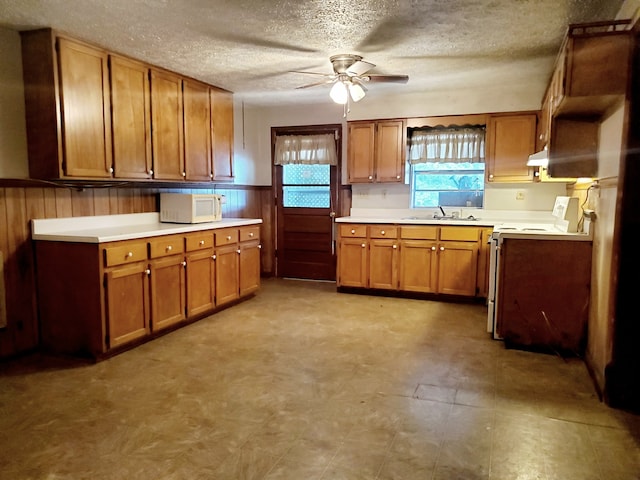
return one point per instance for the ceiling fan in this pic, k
(349, 78)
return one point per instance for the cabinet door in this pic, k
(85, 110)
(127, 304)
(383, 264)
(352, 262)
(197, 131)
(249, 267)
(201, 275)
(167, 291)
(457, 268)
(390, 151)
(360, 152)
(222, 135)
(418, 266)
(227, 279)
(510, 141)
(167, 134)
(131, 115)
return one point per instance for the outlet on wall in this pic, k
(519, 195)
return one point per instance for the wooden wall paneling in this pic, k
(113, 201)
(49, 197)
(101, 201)
(267, 235)
(125, 201)
(35, 206)
(19, 273)
(64, 204)
(6, 337)
(82, 202)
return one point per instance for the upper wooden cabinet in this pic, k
(376, 151)
(592, 68)
(167, 129)
(511, 138)
(222, 134)
(95, 115)
(197, 131)
(67, 107)
(590, 77)
(131, 115)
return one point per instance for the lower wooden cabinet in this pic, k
(417, 258)
(237, 262)
(200, 274)
(94, 298)
(126, 290)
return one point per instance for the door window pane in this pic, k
(306, 186)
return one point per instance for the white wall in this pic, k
(253, 137)
(13, 131)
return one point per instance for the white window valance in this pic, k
(305, 149)
(451, 144)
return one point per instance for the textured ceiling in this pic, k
(251, 46)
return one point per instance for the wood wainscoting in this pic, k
(20, 201)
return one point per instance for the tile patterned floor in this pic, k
(302, 382)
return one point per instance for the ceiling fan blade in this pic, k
(387, 78)
(312, 73)
(360, 67)
(324, 82)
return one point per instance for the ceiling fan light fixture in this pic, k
(356, 92)
(339, 93)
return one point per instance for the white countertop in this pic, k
(417, 221)
(110, 228)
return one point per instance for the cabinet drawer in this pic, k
(164, 246)
(120, 254)
(460, 234)
(421, 232)
(199, 241)
(226, 236)
(249, 233)
(383, 231)
(359, 231)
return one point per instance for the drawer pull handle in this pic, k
(382, 232)
(259, 246)
(370, 177)
(353, 231)
(238, 251)
(147, 271)
(433, 248)
(442, 249)
(129, 254)
(228, 237)
(213, 257)
(395, 246)
(251, 234)
(150, 172)
(363, 245)
(184, 264)
(169, 248)
(201, 242)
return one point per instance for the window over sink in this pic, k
(447, 166)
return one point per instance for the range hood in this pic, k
(539, 159)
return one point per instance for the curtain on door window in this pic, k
(305, 150)
(306, 162)
(451, 145)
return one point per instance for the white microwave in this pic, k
(190, 207)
